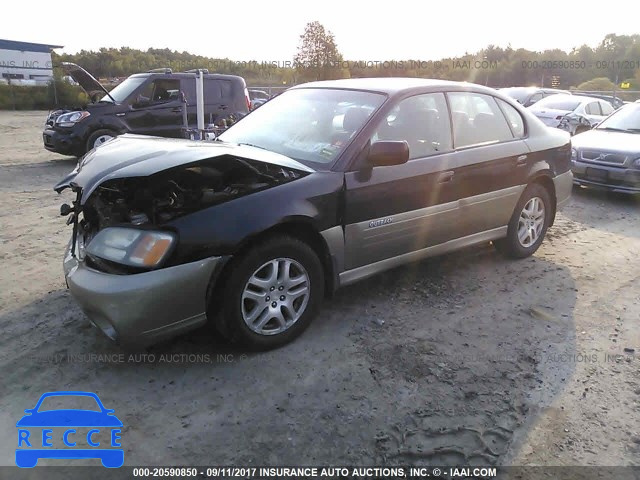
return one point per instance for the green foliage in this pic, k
(601, 83)
(617, 56)
(15, 97)
(615, 59)
(318, 57)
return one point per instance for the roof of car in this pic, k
(218, 76)
(580, 98)
(389, 85)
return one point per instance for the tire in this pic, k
(522, 241)
(95, 137)
(251, 314)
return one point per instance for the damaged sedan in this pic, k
(572, 113)
(327, 184)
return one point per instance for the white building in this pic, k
(25, 63)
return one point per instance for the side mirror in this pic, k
(386, 153)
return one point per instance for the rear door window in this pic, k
(606, 108)
(513, 118)
(593, 108)
(217, 90)
(477, 119)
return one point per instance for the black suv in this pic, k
(145, 103)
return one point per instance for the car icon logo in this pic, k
(69, 433)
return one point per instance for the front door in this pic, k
(394, 210)
(157, 109)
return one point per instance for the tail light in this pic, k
(247, 98)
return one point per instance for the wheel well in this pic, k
(547, 183)
(300, 230)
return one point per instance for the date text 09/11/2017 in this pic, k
(318, 472)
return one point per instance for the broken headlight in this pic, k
(132, 247)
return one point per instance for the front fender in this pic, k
(224, 228)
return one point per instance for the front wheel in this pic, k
(528, 224)
(272, 294)
(99, 137)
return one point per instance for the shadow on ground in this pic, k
(446, 361)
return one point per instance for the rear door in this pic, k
(394, 210)
(218, 99)
(491, 160)
(593, 112)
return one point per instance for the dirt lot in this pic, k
(464, 359)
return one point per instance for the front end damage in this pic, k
(125, 265)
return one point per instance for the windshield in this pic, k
(124, 89)
(310, 125)
(69, 402)
(517, 93)
(558, 102)
(626, 118)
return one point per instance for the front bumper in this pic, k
(617, 179)
(144, 308)
(66, 143)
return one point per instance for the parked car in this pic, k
(146, 103)
(527, 96)
(258, 98)
(290, 203)
(572, 113)
(615, 102)
(609, 155)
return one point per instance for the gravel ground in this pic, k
(464, 359)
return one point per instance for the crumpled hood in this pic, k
(600, 139)
(139, 155)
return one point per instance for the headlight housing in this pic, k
(132, 247)
(71, 118)
(574, 154)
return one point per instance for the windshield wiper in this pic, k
(252, 145)
(634, 130)
(612, 129)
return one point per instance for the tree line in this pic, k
(613, 62)
(616, 58)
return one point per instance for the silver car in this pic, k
(572, 113)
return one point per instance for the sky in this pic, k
(270, 30)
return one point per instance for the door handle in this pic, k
(521, 160)
(445, 177)
(177, 110)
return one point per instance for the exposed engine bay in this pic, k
(176, 192)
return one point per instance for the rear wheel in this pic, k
(528, 224)
(272, 294)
